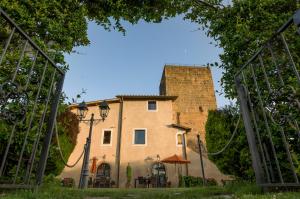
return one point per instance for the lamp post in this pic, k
(81, 114)
(158, 168)
(201, 160)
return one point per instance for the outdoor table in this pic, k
(146, 181)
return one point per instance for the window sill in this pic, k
(106, 145)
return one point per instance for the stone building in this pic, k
(142, 130)
(195, 91)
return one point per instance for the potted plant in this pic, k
(128, 175)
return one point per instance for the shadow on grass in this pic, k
(54, 191)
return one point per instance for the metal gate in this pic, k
(268, 87)
(30, 88)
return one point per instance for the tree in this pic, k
(235, 160)
(62, 25)
(239, 29)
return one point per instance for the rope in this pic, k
(230, 140)
(60, 152)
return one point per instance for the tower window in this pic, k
(179, 139)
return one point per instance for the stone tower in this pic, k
(195, 90)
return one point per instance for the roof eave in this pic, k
(178, 126)
(147, 97)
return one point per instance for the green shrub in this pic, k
(236, 159)
(128, 175)
(51, 180)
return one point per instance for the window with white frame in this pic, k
(152, 105)
(140, 137)
(106, 137)
(179, 139)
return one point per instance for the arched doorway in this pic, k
(103, 176)
(159, 177)
(103, 170)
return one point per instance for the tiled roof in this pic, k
(147, 97)
(128, 97)
(96, 102)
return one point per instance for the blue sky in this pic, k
(132, 64)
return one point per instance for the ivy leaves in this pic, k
(240, 28)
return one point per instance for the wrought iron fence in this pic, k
(268, 91)
(30, 88)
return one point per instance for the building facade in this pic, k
(142, 130)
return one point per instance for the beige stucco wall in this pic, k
(101, 152)
(210, 169)
(161, 140)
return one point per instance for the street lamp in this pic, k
(82, 110)
(104, 109)
(158, 169)
(81, 114)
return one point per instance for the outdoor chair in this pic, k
(102, 182)
(163, 181)
(68, 182)
(153, 181)
(169, 184)
(142, 181)
(90, 182)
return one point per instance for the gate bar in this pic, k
(266, 123)
(38, 134)
(256, 127)
(290, 57)
(33, 112)
(249, 133)
(50, 127)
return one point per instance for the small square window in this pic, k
(139, 137)
(106, 137)
(152, 105)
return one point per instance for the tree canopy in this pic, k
(239, 28)
(62, 24)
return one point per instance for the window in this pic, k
(139, 137)
(152, 106)
(179, 137)
(106, 137)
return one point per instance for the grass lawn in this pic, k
(244, 191)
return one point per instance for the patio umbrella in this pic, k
(175, 159)
(94, 165)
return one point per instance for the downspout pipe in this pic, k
(119, 139)
(184, 151)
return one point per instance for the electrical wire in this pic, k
(60, 151)
(229, 142)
